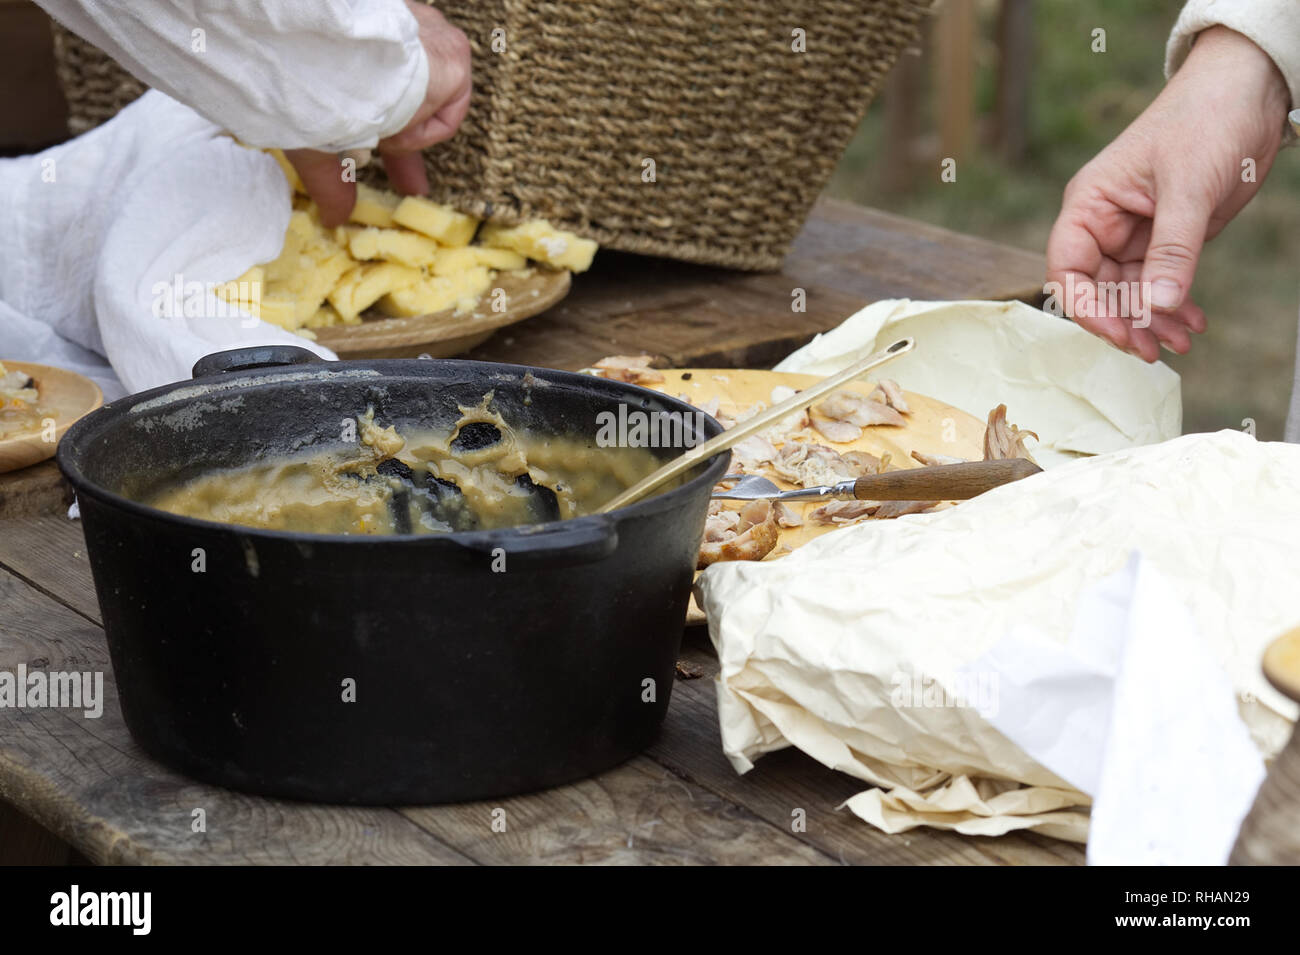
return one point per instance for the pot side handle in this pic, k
(559, 544)
(255, 356)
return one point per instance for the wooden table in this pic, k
(81, 788)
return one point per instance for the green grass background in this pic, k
(1079, 101)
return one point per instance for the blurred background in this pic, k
(1012, 89)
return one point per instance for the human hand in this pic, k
(445, 104)
(1141, 210)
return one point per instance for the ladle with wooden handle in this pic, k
(723, 442)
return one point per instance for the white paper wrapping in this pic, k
(1078, 393)
(816, 647)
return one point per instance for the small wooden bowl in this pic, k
(448, 333)
(65, 396)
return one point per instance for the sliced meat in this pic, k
(841, 432)
(752, 453)
(857, 409)
(862, 463)
(890, 394)
(812, 465)
(785, 515)
(892, 509)
(634, 369)
(720, 525)
(934, 460)
(843, 512)
(755, 537)
(1003, 440)
(711, 406)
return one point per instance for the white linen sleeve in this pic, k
(326, 74)
(1272, 25)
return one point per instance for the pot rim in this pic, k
(711, 470)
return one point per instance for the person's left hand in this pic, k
(445, 104)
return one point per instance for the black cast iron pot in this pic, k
(398, 669)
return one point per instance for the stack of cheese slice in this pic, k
(400, 256)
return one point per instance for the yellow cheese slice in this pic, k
(455, 261)
(438, 294)
(374, 206)
(364, 285)
(394, 245)
(541, 241)
(438, 222)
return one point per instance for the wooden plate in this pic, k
(65, 396)
(932, 428)
(447, 333)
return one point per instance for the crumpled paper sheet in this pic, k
(156, 192)
(1078, 393)
(1177, 772)
(814, 647)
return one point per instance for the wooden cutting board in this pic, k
(932, 428)
(448, 333)
(65, 396)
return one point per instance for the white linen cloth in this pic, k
(328, 74)
(92, 227)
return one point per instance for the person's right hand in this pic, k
(1142, 209)
(445, 104)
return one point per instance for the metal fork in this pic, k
(755, 487)
(943, 482)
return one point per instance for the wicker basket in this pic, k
(743, 131)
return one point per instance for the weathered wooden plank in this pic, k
(87, 782)
(50, 553)
(874, 255)
(637, 814)
(39, 489)
(785, 781)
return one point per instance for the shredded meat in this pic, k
(634, 369)
(892, 509)
(785, 516)
(721, 523)
(1003, 440)
(843, 512)
(933, 460)
(711, 406)
(755, 536)
(857, 409)
(841, 432)
(863, 463)
(891, 395)
(752, 453)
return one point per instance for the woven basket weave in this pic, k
(743, 131)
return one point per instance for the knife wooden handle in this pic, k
(944, 482)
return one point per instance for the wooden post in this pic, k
(954, 74)
(1015, 46)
